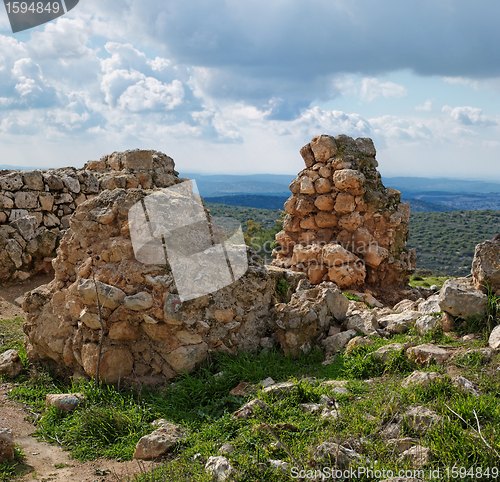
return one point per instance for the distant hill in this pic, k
(444, 185)
(424, 194)
(250, 200)
(444, 241)
(211, 185)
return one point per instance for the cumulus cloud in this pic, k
(316, 120)
(372, 88)
(469, 116)
(254, 49)
(394, 128)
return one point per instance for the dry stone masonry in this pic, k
(341, 223)
(102, 292)
(149, 336)
(36, 206)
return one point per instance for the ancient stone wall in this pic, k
(35, 206)
(149, 335)
(111, 313)
(342, 224)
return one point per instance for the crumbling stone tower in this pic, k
(342, 224)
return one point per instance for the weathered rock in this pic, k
(460, 298)
(418, 456)
(421, 419)
(430, 305)
(349, 180)
(426, 324)
(384, 353)
(486, 266)
(248, 410)
(11, 181)
(10, 364)
(159, 443)
(336, 455)
(280, 390)
(405, 305)
(323, 147)
(219, 468)
(26, 200)
(399, 322)
(26, 226)
(391, 431)
(138, 302)
(109, 296)
(465, 385)
(421, 379)
(33, 180)
(66, 402)
(336, 343)
(6, 445)
(426, 353)
(494, 339)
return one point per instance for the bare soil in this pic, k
(9, 308)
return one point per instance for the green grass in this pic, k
(12, 338)
(110, 421)
(11, 334)
(9, 470)
(423, 281)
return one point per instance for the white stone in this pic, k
(494, 340)
(219, 468)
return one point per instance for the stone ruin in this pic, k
(36, 206)
(105, 313)
(342, 224)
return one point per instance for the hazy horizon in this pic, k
(261, 173)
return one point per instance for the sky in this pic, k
(232, 86)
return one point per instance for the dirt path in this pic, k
(46, 462)
(49, 463)
(10, 293)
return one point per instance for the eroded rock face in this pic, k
(461, 299)
(486, 266)
(149, 334)
(342, 224)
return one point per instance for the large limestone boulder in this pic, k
(486, 266)
(461, 299)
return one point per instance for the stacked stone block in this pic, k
(342, 224)
(36, 206)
